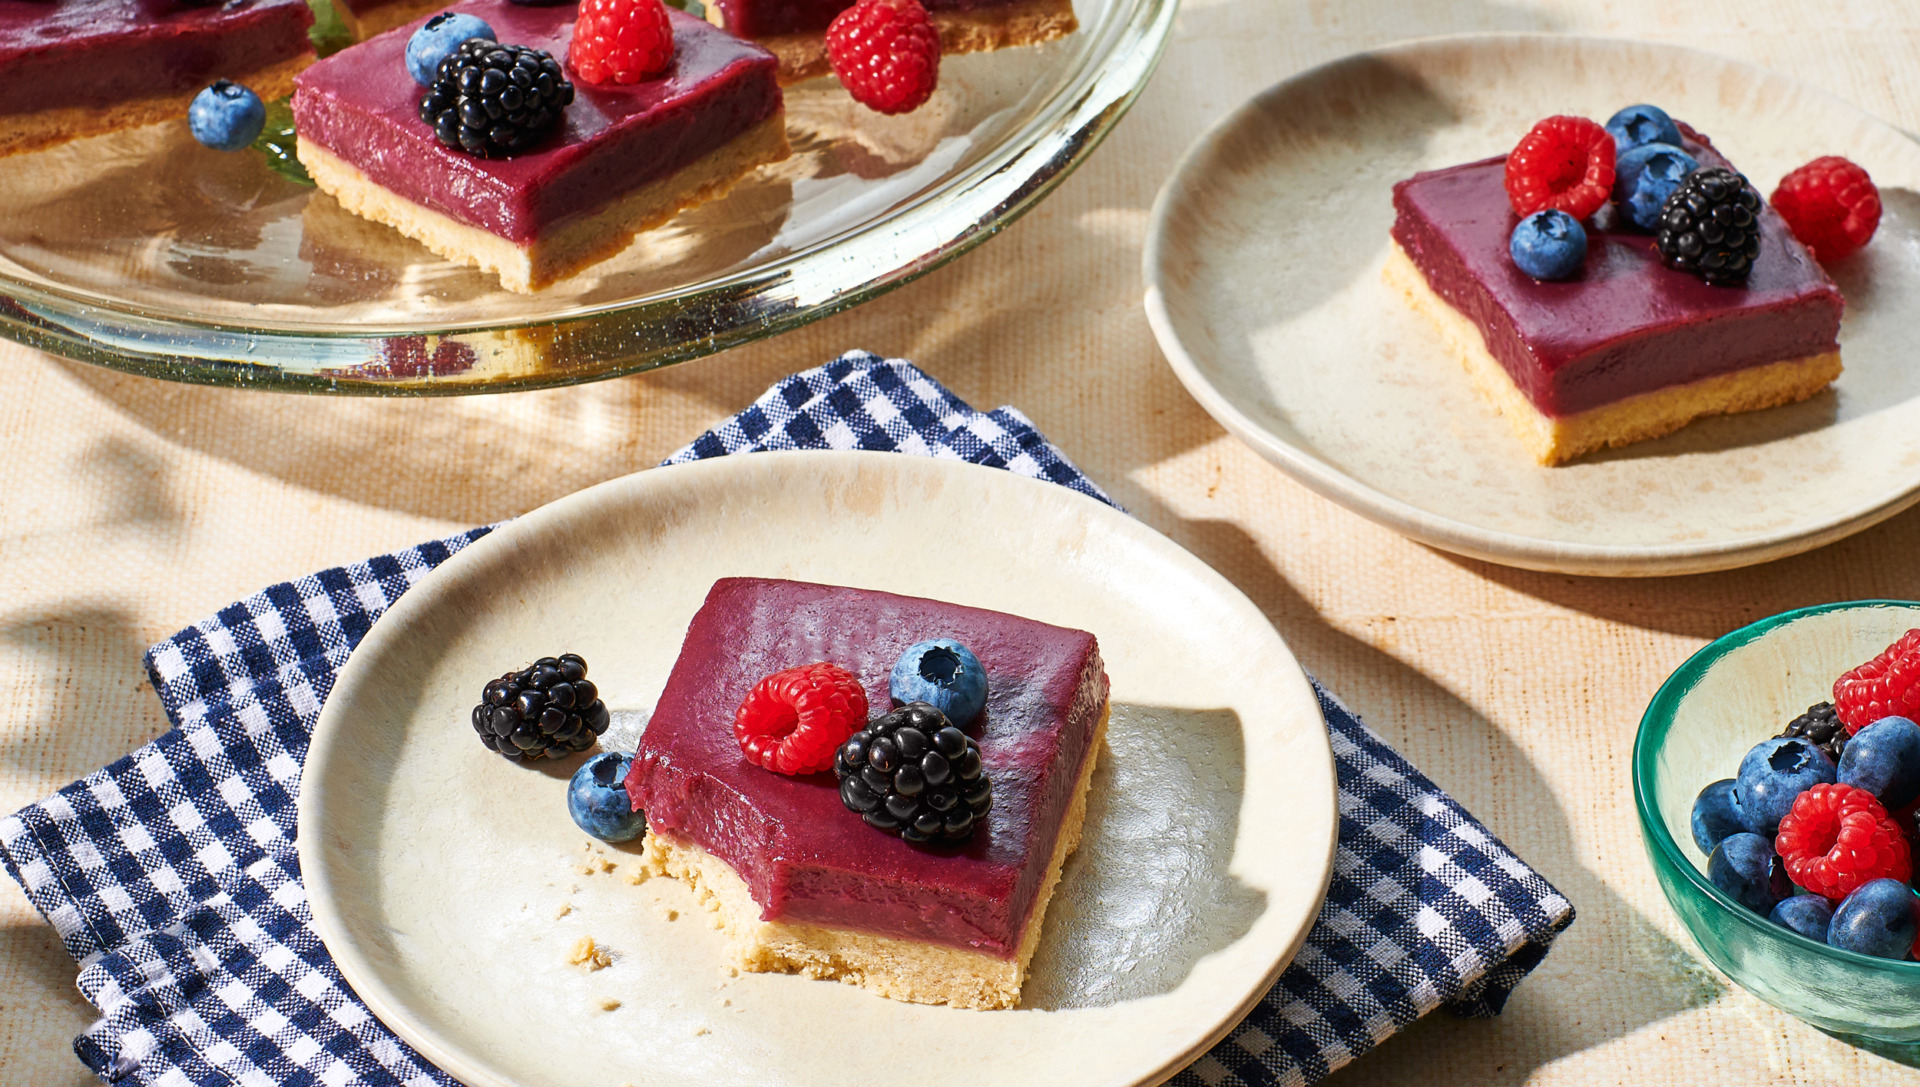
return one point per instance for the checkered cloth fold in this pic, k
(171, 875)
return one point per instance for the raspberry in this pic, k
(793, 721)
(621, 41)
(1886, 686)
(886, 53)
(1831, 205)
(1837, 838)
(1564, 163)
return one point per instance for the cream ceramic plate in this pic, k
(446, 882)
(1263, 286)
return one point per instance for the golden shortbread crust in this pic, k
(47, 127)
(1647, 415)
(804, 56)
(911, 970)
(386, 16)
(565, 247)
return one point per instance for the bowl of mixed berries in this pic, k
(1777, 775)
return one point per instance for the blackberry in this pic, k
(1710, 227)
(913, 774)
(547, 709)
(495, 100)
(1821, 727)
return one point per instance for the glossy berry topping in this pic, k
(1837, 838)
(1886, 686)
(1564, 163)
(495, 100)
(944, 674)
(1645, 177)
(886, 54)
(437, 38)
(1710, 227)
(793, 720)
(1549, 244)
(226, 116)
(549, 709)
(1831, 205)
(914, 774)
(597, 799)
(1636, 126)
(621, 41)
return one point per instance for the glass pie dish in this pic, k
(145, 252)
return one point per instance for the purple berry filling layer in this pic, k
(362, 105)
(801, 852)
(1626, 324)
(97, 53)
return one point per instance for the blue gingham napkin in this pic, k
(171, 874)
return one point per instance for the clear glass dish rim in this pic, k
(1659, 717)
(961, 212)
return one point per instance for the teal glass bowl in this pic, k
(1737, 691)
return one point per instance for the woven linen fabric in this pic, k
(172, 877)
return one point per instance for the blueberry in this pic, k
(1808, 915)
(1549, 244)
(1714, 816)
(945, 674)
(1884, 759)
(597, 799)
(1641, 124)
(1745, 866)
(440, 36)
(1877, 919)
(1772, 774)
(226, 116)
(1645, 176)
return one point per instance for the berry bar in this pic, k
(915, 906)
(622, 158)
(76, 68)
(1626, 349)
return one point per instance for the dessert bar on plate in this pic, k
(803, 885)
(1627, 350)
(795, 30)
(75, 68)
(622, 159)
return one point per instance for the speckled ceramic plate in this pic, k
(449, 885)
(1263, 280)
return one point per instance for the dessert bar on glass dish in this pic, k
(366, 18)
(623, 158)
(795, 30)
(803, 885)
(76, 68)
(1628, 349)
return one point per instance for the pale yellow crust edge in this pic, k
(1648, 415)
(909, 970)
(49, 127)
(568, 246)
(385, 17)
(804, 56)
